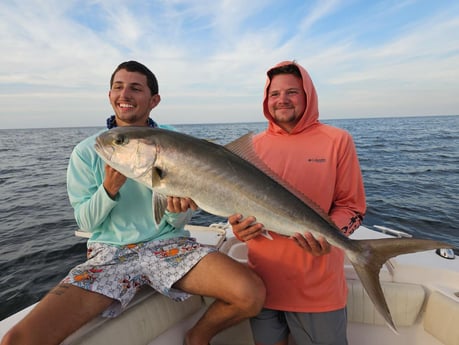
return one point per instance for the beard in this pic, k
(286, 116)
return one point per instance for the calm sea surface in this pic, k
(410, 168)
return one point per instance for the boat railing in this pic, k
(392, 232)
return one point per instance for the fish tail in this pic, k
(368, 256)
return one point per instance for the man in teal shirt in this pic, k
(113, 219)
(127, 250)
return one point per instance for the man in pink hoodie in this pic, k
(304, 276)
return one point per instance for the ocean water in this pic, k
(410, 167)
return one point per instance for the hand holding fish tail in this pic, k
(179, 205)
(245, 229)
(315, 246)
(113, 181)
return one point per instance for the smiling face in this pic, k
(286, 100)
(131, 98)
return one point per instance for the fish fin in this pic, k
(243, 147)
(368, 256)
(159, 202)
(265, 233)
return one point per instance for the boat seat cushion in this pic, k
(139, 323)
(442, 318)
(405, 302)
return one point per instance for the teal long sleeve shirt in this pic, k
(124, 220)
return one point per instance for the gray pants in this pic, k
(328, 328)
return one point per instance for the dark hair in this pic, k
(134, 66)
(285, 69)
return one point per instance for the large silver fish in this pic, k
(228, 180)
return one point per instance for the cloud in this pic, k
(367, 58)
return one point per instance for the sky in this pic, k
(366, 58)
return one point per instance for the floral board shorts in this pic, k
(119, 272)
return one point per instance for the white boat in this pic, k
(422, 291)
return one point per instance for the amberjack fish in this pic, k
(224, 180)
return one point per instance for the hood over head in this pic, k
(311, 113)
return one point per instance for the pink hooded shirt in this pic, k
(321, 162)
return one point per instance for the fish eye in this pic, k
(120, 139)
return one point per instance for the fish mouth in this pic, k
(104, 151)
